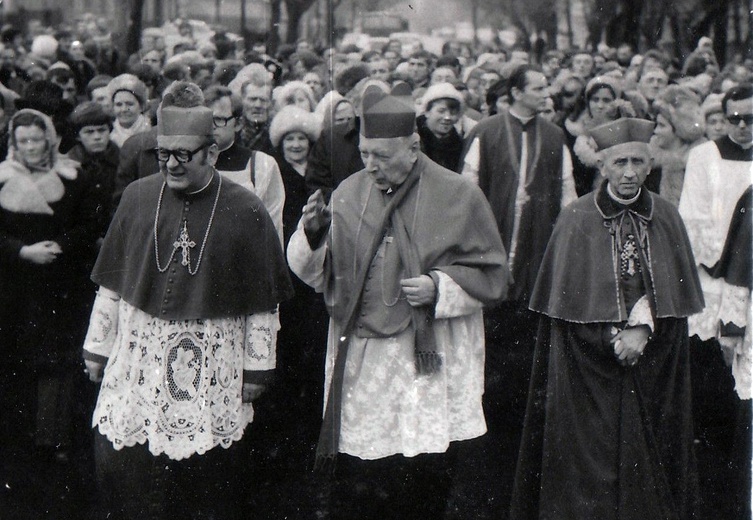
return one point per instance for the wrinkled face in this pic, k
(652, 83)
(418, 69)
(440, 118)
(582, 65)
(225, 125)
(94, 138)
(626, 167)
(532, 98)
(256, 103)
(664, 133)
(102, 97)
(716, 126)
(388, 161)
(601, 104)
(343, 113)
(740, 118)
(31, 144)
(442, 75)
(126, 108)
(379, 69)
(191, 175)
(295, 147)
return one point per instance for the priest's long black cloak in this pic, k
(602, 440)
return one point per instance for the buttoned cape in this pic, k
(242, 270)
(578, 281)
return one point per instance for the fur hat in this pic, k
(89, 114)
(294, 119)
(129, 83)
(440, 91)
(682, 109)
(611, 82)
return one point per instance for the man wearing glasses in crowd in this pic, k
(181, 353)
(252, 169)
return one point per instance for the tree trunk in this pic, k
(159, 11)
(569, 22)
(294, 19)
(474, 20)
(133, 37)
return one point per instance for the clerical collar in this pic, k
(729, 150)
(523, 120)
(744, 146)
(611, 206)
(620, 200)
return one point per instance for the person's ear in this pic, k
(213, 152)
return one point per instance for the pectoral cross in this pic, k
(184, 243)
(629, 256)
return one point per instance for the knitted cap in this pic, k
(387, 115)
(625, 130)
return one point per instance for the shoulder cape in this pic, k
(578, 281)
(242, 270)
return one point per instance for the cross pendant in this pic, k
(184, 243)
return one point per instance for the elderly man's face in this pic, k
(388, 161)
(256, 103)
(740, 117)
(187, 163)
(626, 166)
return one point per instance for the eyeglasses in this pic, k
(736, 118)
(182, 156)
(221, 122)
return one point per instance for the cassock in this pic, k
(387, 406)
(603, 440)
(185, 315)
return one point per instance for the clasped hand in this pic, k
(419, 290)
(41, 253)
(629, 344)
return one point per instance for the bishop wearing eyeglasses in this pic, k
(183, 330)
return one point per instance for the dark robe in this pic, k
(444, 151)
(334, 157)
(500, 139)
(602, 440)
(242, 269)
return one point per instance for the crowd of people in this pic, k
(438, 254)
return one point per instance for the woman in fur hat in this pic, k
(47, 233)
(129, 101)
(680, 126)
(442, 107)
